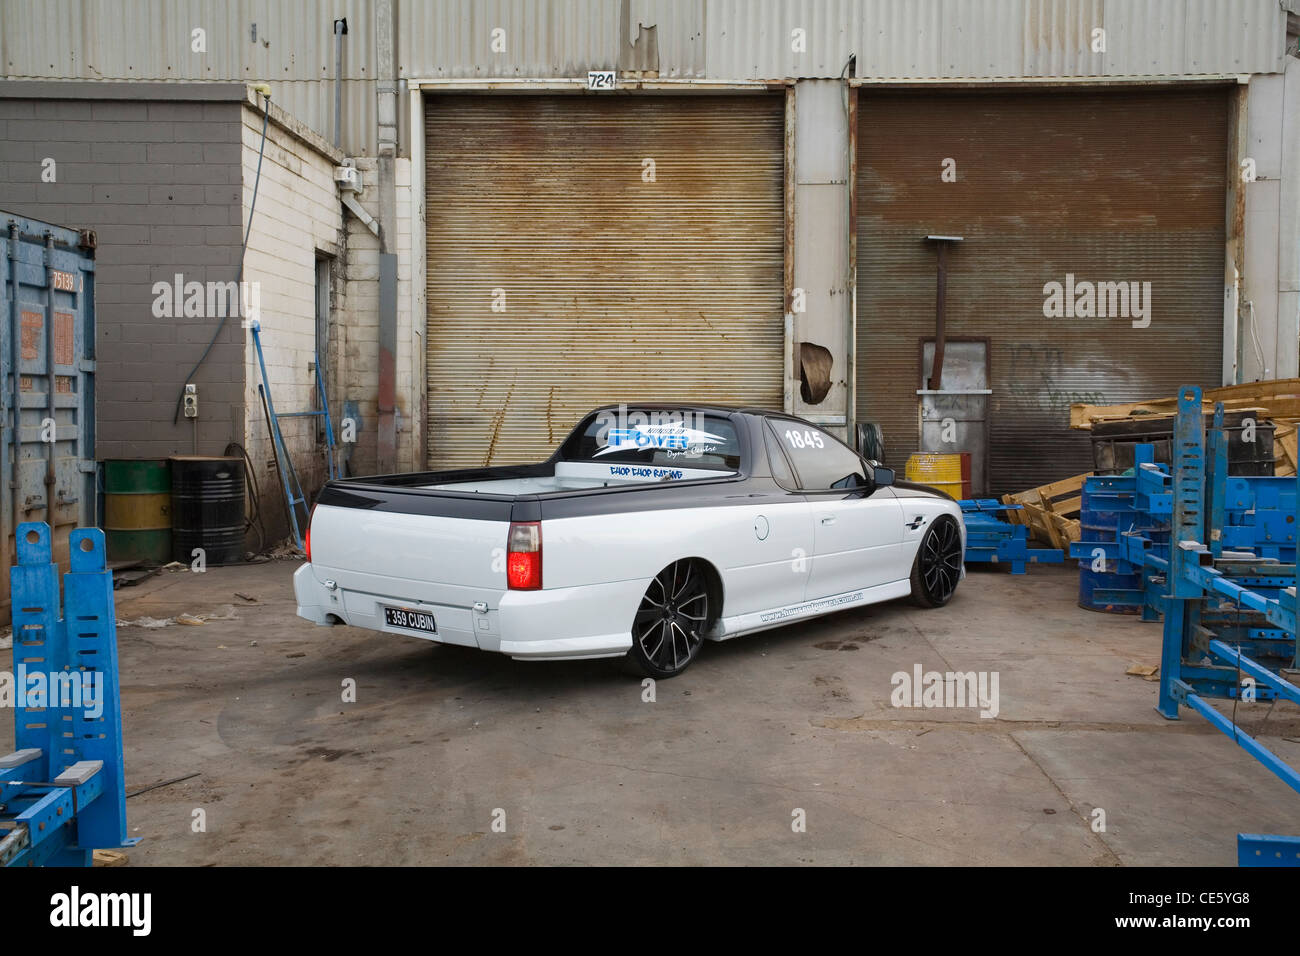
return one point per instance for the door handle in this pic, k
(828, 519)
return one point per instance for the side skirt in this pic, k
(775, 617)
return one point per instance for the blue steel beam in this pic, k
(1272, 761)
(1216, 480)
(1264, 849)
(1239, 660)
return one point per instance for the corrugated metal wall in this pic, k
(985, 39)
(560, 279)
(153, 40)
(1105, 186)
(713, 39)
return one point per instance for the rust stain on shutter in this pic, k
(63, 347)
(30, 335)
(613, 279)
(1102, 186)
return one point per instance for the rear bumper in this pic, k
(559, 624)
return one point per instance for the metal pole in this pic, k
(51, 446)
(340, 30)
(935, 382)
(277, 442)
(11, 446)
(15, 370)
(940, 287)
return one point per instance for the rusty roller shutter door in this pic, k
(1107, 186)
(614, 288)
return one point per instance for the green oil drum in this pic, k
(137, 510)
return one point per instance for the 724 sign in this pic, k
(601, 79)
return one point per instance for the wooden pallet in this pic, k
(1051, 512)
(1276, 399)
(1285, 457)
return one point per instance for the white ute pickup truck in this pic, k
(650, 530)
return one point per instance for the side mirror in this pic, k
(884, 476)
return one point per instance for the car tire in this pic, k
(669, 625)
(938, 565)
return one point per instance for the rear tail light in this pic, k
(306, 539)
(524, 556)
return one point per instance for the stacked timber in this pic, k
(1278, 401)
(1051, 512)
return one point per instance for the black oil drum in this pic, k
(207, 508)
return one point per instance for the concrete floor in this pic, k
(441, 738)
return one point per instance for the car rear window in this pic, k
(649, 436)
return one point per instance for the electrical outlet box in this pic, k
(191, 400)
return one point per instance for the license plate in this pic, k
(414, 620)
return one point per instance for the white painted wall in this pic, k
(297, 214)
(1269, 313)
(821, 243)
(1288, 255)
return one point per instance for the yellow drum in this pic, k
(949, 473)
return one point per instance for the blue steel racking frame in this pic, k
(63, 790)
(991, 540)
(1205, 652)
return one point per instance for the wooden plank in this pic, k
(1280, 397)
(1069, 506)
(1277, 408)
(1071, 485)
(1044, 528)
(1286, 458)
(1084, 417)
(1048, 511)
(1013, 517)
(1054, 521)
(1069, 528)
(1053, 533)
(1281, 386)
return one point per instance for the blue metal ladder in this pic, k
(294, 495)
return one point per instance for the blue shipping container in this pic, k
(47, 355)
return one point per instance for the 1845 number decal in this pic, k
(804, 439)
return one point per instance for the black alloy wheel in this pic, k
(669, 626)
(938, 564)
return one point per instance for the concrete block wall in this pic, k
(158, 180)
(358, 365)
(357, 345)
(297, 217)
